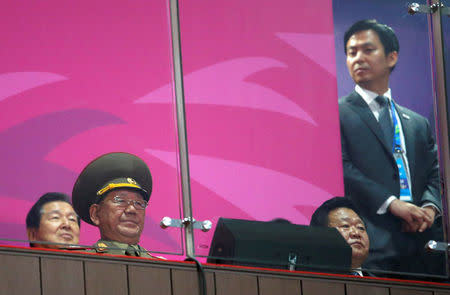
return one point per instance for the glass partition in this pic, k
(445, 100)
(261, 108)
(411, 87)
(263, 124)
(79, 80)
(445, 23)
(261, 86)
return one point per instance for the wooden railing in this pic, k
(27, 271)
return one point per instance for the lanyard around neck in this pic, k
(396, 143)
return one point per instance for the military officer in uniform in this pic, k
(112, 193)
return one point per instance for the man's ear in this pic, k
(93, 212)
(32, 233)
(392, 58)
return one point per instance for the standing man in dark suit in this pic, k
(389, 157)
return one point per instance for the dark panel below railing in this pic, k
(30, 271)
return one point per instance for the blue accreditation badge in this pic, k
(405, 191)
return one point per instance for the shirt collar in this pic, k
(369, 96)
(358, 270)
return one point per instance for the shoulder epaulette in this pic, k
(101, 247)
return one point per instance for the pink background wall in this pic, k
(260, 84)
(79, 80)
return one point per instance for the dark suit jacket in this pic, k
(371, 176)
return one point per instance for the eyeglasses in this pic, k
(138, 204)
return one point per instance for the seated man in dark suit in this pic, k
(53, 220)
(340, 213)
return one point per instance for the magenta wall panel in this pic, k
(71, 78)
(262, 115)
(81, 79)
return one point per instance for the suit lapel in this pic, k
(358, 104)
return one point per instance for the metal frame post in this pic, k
(441, 107)
(181, 127)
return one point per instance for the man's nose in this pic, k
(359, 56)
(130, 208)
(65, 223)
(354, 232)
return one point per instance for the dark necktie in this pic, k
(385, 120)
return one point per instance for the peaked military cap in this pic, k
(106, 173)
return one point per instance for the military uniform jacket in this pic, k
(117, 248)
